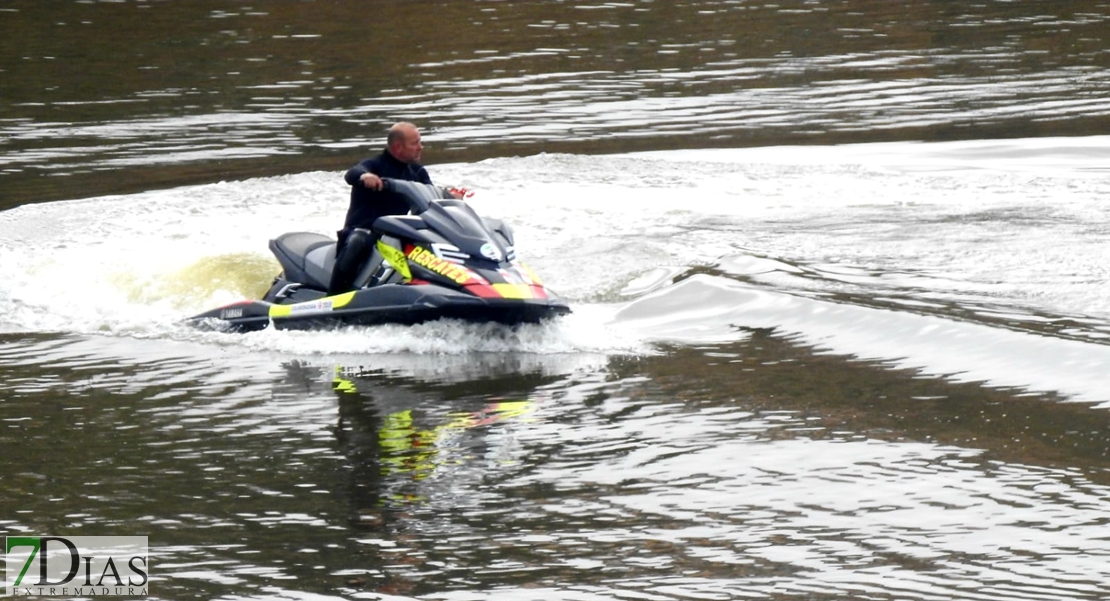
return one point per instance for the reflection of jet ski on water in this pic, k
(441, 261)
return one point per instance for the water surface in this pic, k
(201, 91)
(838, 273)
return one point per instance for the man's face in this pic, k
(408, 150)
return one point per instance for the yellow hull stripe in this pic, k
(518, 291)
(322, 305)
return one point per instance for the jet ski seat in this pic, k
(305, 258)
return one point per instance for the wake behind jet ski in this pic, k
(441, 261)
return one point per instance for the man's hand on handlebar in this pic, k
(371, 181)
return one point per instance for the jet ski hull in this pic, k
(388, 304)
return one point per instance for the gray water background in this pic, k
(109, 97)
(764, 468)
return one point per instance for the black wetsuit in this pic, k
(366, 206)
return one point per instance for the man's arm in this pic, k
(354, 173)
(361, 174)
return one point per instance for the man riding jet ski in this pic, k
(441, 261)
(400, 159)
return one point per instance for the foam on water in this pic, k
(1019, 225)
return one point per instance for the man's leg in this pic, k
(349, 260)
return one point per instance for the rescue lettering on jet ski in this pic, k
(426, 258)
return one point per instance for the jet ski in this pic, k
(440, 261)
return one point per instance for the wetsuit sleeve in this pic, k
(356, 172)
(422, 176)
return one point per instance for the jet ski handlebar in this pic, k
(418, 196)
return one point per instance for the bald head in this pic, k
(403, 142)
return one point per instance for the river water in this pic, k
(839, 276)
